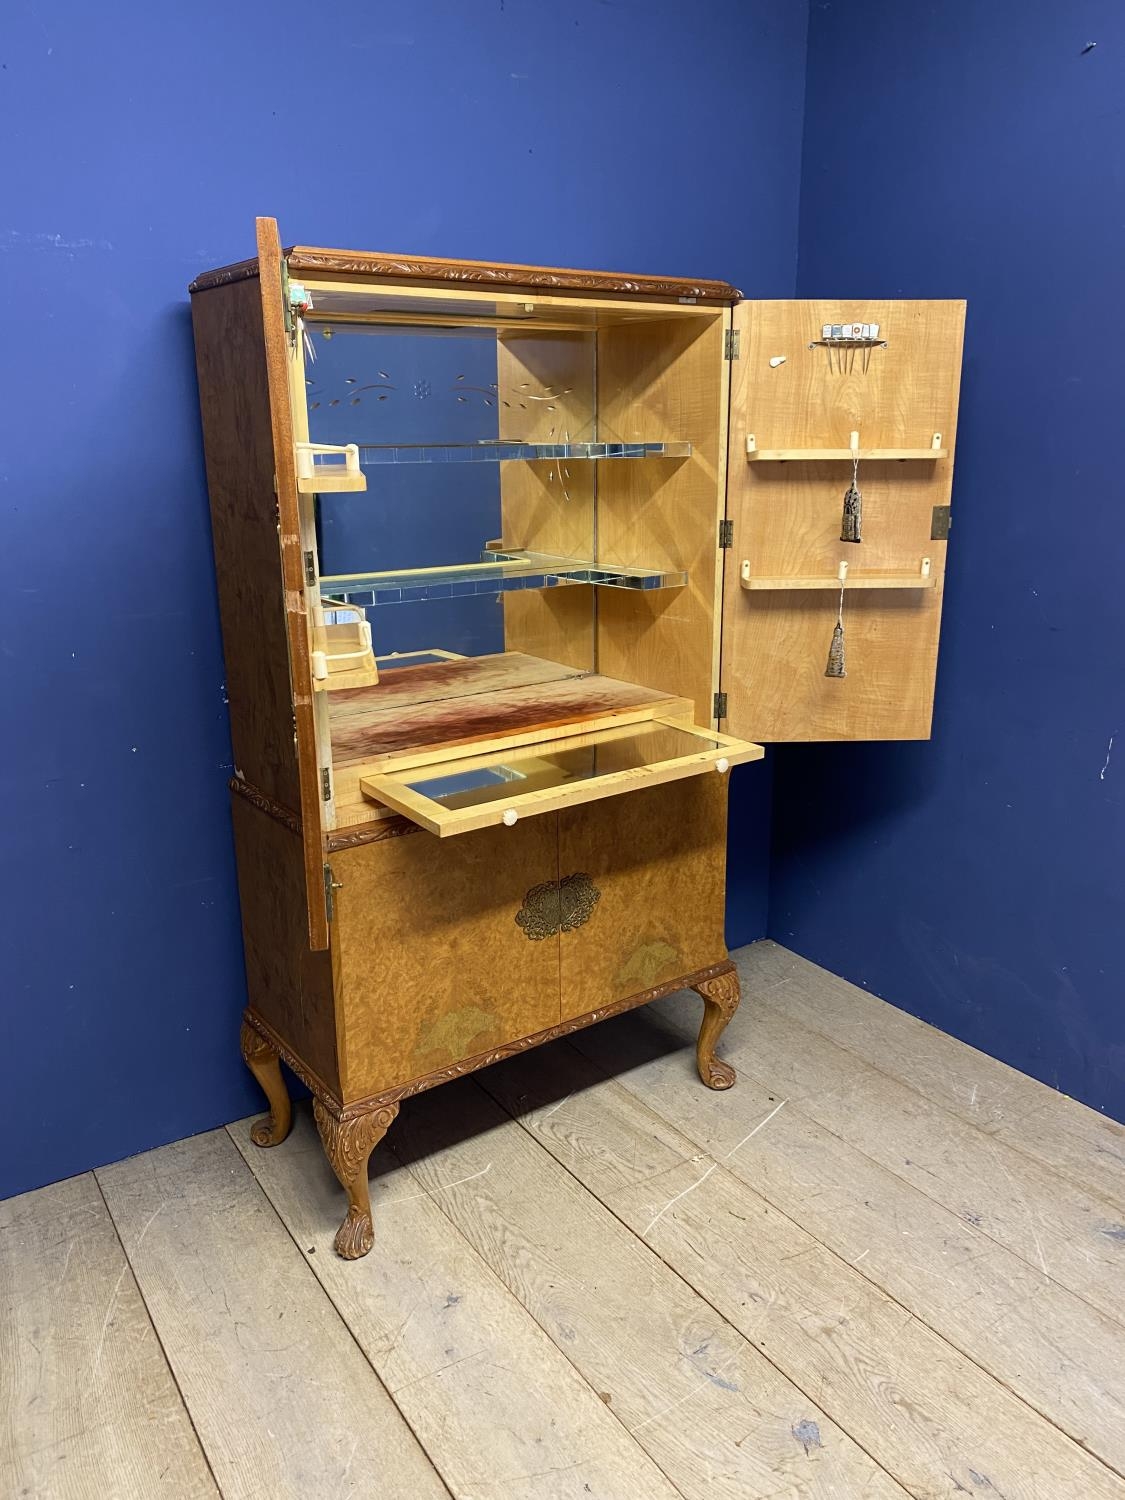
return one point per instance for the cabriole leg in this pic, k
(347, 1145)
(720, 998)
(264, 1063)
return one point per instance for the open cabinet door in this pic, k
(276, 342)
(822, 392)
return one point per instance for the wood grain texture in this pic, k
(787, 520)
(283, 1401)
(932, 1418)
(238, 447)
(1073, 1237)
(288, 984)
(710, 1411)
(658, 857)
(1039, 1340)
(665, 381)
(1059, 1132)
(430, 682)
(545, 705)
(432, 966)
(525, 1043)
(557, 623)
(498, 1408)
(241, 361)
(88, 1405)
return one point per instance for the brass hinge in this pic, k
(726, 533)
(330, 885)
(310, 570)
(731, 340)
(940, 522)
(326, 783)
(719, 707)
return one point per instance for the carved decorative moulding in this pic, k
(305, 259)
(557, 906)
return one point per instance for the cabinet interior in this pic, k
(523, 543)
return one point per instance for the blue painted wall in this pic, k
(141, 141)
(979, 880)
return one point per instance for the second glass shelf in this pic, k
(496, 573)
(506, 451)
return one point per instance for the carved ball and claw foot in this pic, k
(720, 997)
(265, 1064)
(347, 1145)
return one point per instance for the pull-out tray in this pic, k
(481, 786)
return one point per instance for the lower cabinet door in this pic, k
(438, 952)
(642, 880)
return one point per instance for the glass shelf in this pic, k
(496, 573)
(507, 451)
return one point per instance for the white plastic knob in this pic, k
(511, 816)
(319, 665)
(722, 764)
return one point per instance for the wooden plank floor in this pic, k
(883, 1265)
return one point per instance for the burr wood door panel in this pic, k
(794, 410)
(642, 879)
(440, 951)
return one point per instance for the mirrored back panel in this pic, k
(465, 437)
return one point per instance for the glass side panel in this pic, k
(550, 764)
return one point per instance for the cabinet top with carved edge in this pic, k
(303, 259)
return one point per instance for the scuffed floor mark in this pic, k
(1108, 753)
(1113, 1232)
(700, 1180)
(986, 1484)
(807, 1434)
(698, 1364)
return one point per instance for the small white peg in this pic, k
(722, 764)
(510, 818)
(842, 572)
(319, 665)
(778, 359)
(853, 441)
(925, 567)
(936, 443)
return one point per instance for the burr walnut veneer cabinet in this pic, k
(514, 563)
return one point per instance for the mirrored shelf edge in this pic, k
(497, 572)
(507, 451)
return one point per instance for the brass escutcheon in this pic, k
(557, 906)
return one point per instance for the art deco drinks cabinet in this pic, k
(514, 563)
